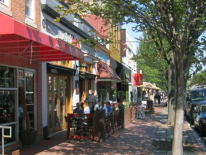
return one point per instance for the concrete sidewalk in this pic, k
(162, 142)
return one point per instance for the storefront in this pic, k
(107, 80)
(124, 73)
(86, 80)
(60, 90)
(22, 51)
(11, 111)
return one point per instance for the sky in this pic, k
(134, 34)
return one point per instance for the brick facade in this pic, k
(17, 8)
(18, 11)
(25, 63)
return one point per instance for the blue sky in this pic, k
(133, 34)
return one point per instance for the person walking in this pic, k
(90, 99)
(158, 98)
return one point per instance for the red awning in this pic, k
(21, 40)
(105, 72)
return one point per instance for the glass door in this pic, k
(57, 101)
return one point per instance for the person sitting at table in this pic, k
(78, 109)
(109, 107)
(88, 108)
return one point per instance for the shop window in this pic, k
(7, 106)
(8, 101)
(7, 77)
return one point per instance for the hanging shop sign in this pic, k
(138, 79)
(123, 43)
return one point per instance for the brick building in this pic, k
(23, 48)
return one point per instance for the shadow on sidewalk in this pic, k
(135, 138)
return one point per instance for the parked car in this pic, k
(200, 118)
(196, 96)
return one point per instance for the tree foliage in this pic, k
(199, 79)
(153, 64)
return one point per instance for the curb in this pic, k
(197, 138)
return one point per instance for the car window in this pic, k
(198, 95)
(203, 108)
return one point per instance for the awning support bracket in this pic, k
(31, 52)
(25, 48)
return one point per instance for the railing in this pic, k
(98, 126)
(5, 136)
(80, 126)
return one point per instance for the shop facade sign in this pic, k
(65, 37)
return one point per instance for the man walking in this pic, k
(90, 99)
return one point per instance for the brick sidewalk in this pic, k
(136, 138)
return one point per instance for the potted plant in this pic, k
(28, 136)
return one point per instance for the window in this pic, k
(2, 1)
(28, 9)
(8, 101)
(7, 77)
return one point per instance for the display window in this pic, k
(11, 112)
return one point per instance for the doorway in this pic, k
(57, 102)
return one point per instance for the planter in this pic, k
(28, 138)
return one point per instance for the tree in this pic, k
(179, 22)
(150, 58)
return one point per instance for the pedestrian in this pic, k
(97, 106)
(87, 110)
(155, 98)
(95, 97)
(158, 98)
(90, 99)
(78, 109)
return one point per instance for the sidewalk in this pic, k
(136, 138)
(162, 143)
(147, 136)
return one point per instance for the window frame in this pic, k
(16, 122)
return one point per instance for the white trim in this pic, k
(30, 22)
(4, 7)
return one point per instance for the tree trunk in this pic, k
(180, 100)
(171, 92)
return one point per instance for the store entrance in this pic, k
(57, 102)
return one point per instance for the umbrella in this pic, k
(149, 85)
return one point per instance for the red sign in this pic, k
(123, 44)
(138, 79)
